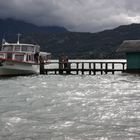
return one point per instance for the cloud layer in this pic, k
(76, 15)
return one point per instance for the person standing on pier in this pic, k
(65, 62)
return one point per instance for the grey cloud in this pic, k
(76, 15)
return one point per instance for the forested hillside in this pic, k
(59, 40)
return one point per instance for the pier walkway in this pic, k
(90, 68)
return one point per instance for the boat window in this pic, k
(8, 48)
(30, 57)
(17, 48)
(28, 48)
(24, 48)
(1, 55)
(19, 57)
(9, 55)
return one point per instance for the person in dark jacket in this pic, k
(66, 62)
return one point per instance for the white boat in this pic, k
(21, 59)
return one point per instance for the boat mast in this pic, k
(3, 41)
(18, 38)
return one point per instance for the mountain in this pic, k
(88, 45)
(58, 40)
(9, 27)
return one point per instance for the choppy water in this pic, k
(101, 107)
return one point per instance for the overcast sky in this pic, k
(75, 15)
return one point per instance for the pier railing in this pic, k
(91, 68)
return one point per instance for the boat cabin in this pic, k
(19, 48)
(19, 52)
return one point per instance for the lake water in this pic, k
(75, 107)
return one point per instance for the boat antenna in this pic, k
(18, 37)
(3, 40)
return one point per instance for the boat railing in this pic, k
(16, 56)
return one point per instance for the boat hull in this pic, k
(10, 68)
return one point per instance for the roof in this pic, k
(129, 46)
(44, 53)
(6, 44)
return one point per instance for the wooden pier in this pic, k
(88, 68)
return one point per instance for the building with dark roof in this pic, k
(132, 50)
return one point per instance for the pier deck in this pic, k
(90, 68)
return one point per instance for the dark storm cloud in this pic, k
(76, 15)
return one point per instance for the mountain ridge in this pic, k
(77, 44)
(12, 26)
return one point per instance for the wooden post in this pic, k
(82, 67)
(94, 68)
(106, 67)
(89, 68)
(46, 72)
(77, 67)
(60, 71)
(41, 62)
(101, 68)
(123, 66)
(42, 68)
(68, 69)
(55, 72)
(113, 68)
(61, 65)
